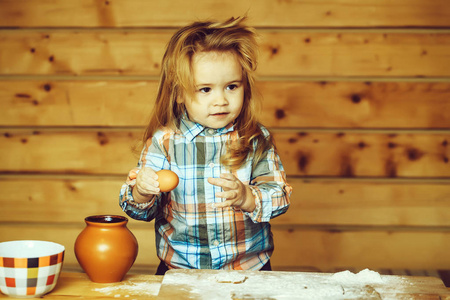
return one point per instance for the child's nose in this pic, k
(220, 99)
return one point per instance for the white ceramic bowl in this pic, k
(29, 268)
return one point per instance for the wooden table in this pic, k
(78, 286)
(211, 284)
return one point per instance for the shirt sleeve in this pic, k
(139, 211)
(269, 188)
(153, 155)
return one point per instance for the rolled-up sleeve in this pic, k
(139, 211)
(152, 156)
(269, 188)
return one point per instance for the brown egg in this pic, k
(167, 179)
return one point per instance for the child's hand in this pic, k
(147, 185)
(236, 193)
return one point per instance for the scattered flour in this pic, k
(229, 277)
(226, 285)
(364, 277)
(132, 288)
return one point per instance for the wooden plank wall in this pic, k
(357, 94)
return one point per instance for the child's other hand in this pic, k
(147, 185)
(236, 193)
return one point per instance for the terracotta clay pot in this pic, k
(106, 249)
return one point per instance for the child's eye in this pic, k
(232, 87)
(205, 90)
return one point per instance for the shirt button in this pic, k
(211, 131)
(216, 243)
(211, 165)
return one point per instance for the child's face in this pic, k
(219, 91)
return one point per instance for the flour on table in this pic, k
(229, 277)
(227, 285)
(234, 284)
(132, 288)
(364, 277)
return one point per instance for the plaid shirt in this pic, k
(190, 232)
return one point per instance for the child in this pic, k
(204, 128)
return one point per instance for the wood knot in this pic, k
(346, 167)
(71, 186)
(280, 114)
(390, 168)
(22, 95)
(303, 161)
(274, 50)
(356, 98)
(391, 145)
(362, 145)
(102, 138)
(414, 154)
(47, 87)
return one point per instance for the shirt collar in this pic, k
(192, 129)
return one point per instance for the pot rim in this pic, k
(106, 219)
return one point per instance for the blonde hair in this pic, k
(176, 79)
